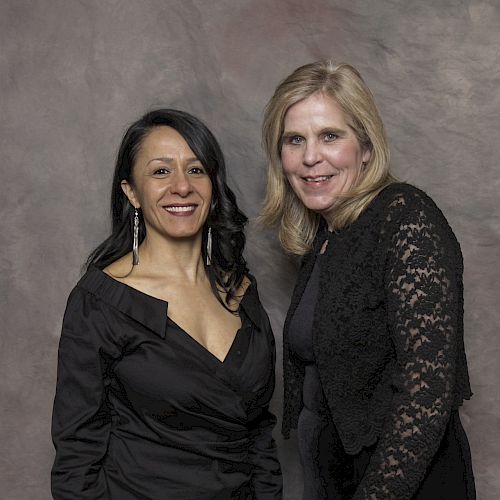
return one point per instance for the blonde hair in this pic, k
(342, 83)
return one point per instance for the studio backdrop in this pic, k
(74, 74)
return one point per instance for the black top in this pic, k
(301, 325)
(388, 337)
(143, 411)
(301, 344)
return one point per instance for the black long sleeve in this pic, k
(422, 293)
(81, 420)
(142, 410)
(267, 480)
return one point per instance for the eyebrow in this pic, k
(291, 133)
(168, 159)
(336, 130)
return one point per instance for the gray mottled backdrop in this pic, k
(74, 73)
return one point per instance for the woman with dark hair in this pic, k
(374, 362)
(166, 358)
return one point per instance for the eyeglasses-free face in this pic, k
(320, 154)
(170, 186)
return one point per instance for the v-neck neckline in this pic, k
(204, 349)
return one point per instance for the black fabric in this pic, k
(328, 472)
(300, 337)
(331, 474)
(143, 411)
(388, 338)
(301, 344)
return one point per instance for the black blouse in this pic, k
(301, 345)
(143, 411)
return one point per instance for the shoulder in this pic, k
(120, 267)
(247, 291)
(240, 293)
(94, 317)
(413, 220)
(400, 194)
(247, 282)
(91, 299)
(83, 298)
(86, 322)
(252, 304)
(401, 202)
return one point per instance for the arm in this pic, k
(267, 481)
(422, 301)
(81, 419)
(266, 478)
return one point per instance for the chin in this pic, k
(319, 208)
(181, 232)
(184, 234)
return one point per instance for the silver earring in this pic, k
(135, 245)
(209, 246)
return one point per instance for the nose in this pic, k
(312, 154)
(181, 184)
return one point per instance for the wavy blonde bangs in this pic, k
(297, 224)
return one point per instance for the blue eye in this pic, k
(330, 136)
(295, 139)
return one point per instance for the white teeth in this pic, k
(318, 179)
(187, 208)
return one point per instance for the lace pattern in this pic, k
(390, 347)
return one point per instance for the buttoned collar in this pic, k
(146, 309)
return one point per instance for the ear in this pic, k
(130, 194)
(367, 154)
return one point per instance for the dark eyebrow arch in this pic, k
(167, 159)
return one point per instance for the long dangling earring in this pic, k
(135, 245)
(209, 246)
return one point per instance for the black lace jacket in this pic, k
(388, 337)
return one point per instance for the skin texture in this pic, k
(174, 192)
(168, 179)
(321, 155)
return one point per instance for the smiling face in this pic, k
(320, 154)
(170, 185)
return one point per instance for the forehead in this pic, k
(165, 141)
(317, 109)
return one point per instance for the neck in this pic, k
(174, 258)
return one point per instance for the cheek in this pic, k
(206, 191)
(288, 161)
(209, 189)
(151, 193)
(349, 158)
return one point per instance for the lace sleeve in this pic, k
(422, 295)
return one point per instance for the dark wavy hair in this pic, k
(228, 266)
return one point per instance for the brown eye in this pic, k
(160, 172)
(197, 170)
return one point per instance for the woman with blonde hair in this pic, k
(374, 361)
